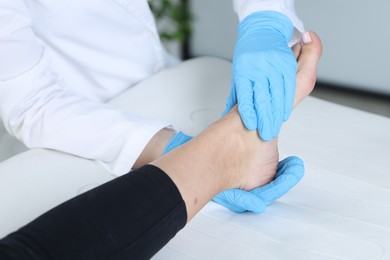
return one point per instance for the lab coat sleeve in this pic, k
(37, 109)
(287, 7)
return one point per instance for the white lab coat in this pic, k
(60, 61)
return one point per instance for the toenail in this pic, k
(306, 38)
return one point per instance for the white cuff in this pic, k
(244, 8)
(133, 147)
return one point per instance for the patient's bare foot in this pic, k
(262, 157)
(227, 155)
(240, 154)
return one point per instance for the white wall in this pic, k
(355, 34)
(215, 27)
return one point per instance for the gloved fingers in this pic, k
(293, 166)
(277, 101)
(263, 109)
(231, 100)
(289, 162)
(246, 108)
(239, 201)
(290, 172)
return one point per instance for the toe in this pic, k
(307, 66)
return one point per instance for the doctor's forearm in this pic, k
(41, 104)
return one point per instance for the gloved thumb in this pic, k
(290, 171)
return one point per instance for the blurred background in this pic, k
(355, 67)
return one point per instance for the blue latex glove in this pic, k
(264, 71)
(290, 172)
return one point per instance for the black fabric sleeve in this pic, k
(130, 217)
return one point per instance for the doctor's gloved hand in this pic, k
(290, 171)
(264, 73)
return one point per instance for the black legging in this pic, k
(131, 217)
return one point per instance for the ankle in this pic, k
(229, 157)
(246, 160)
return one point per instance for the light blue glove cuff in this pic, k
(179, 139)
(266, 20)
